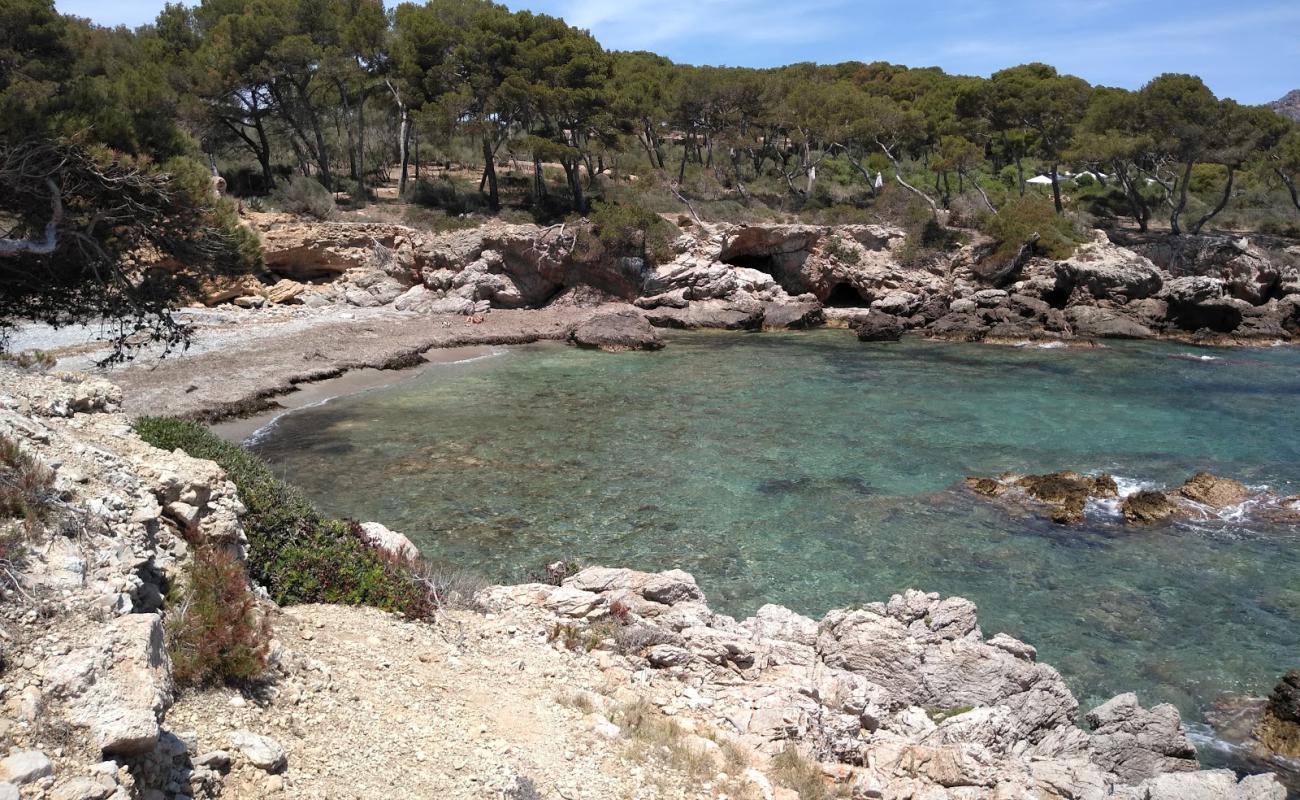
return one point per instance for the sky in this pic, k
(1245, 49)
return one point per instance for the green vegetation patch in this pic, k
(297, 553)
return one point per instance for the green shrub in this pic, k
(629, 230)
(215, 631)
(298, 554)
(926, 236)
(1020, 220)
(300, 195)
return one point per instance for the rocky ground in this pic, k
(613, 683)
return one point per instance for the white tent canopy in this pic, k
(1040, 180)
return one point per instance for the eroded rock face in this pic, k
(617, 331)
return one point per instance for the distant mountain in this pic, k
(1288, 106)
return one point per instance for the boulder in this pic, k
(958, 326)
(391, 542)
(1147, 507)
(793, 315)
(1104, 323)
(1136, 743)
(25, 766)
(617, 331)
(880, 327)
(262, 752)
(1284, 702)
(1213, 491)
(1104, 271)
(285, 291)
(129, 688)
(708, 314)
(1063, 494)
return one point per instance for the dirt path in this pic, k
(368, 706)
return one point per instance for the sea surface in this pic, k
(813, 471)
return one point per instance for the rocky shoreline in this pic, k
(905, 698)
(341, 296)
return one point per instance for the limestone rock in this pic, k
(880, 327)
(792, 315)
(130, 690)
(24, 767)
(1105, 324)
(262, 752)
(1210, 785)
(1213, 491)
(1136, 743)
(617, 331)
(392, 542)
(708, 314)
(1105, 271)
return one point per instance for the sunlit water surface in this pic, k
(816, 472)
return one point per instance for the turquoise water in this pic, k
(816, 472)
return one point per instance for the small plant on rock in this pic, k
(216, 633)
(26, 487)
(794, 771)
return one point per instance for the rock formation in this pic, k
(1210, 288)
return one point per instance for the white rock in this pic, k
(262, 752)
(389, 541)
(25, 766)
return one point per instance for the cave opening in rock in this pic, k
(844, 295)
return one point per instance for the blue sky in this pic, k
(1246, 49)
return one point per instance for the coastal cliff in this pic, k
(595, 683)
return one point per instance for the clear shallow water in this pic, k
(816, 472)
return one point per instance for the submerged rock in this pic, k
(618, 331)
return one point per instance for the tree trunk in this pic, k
(363, 195)
(1056, 190)
(572, 172)
(1290, 185)
(264, 156)
(1020, 174)
(539, 179)
(490, 174)
(1223, 201)
(1179, 205)
(1137, 206)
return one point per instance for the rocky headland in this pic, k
(597, 683)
